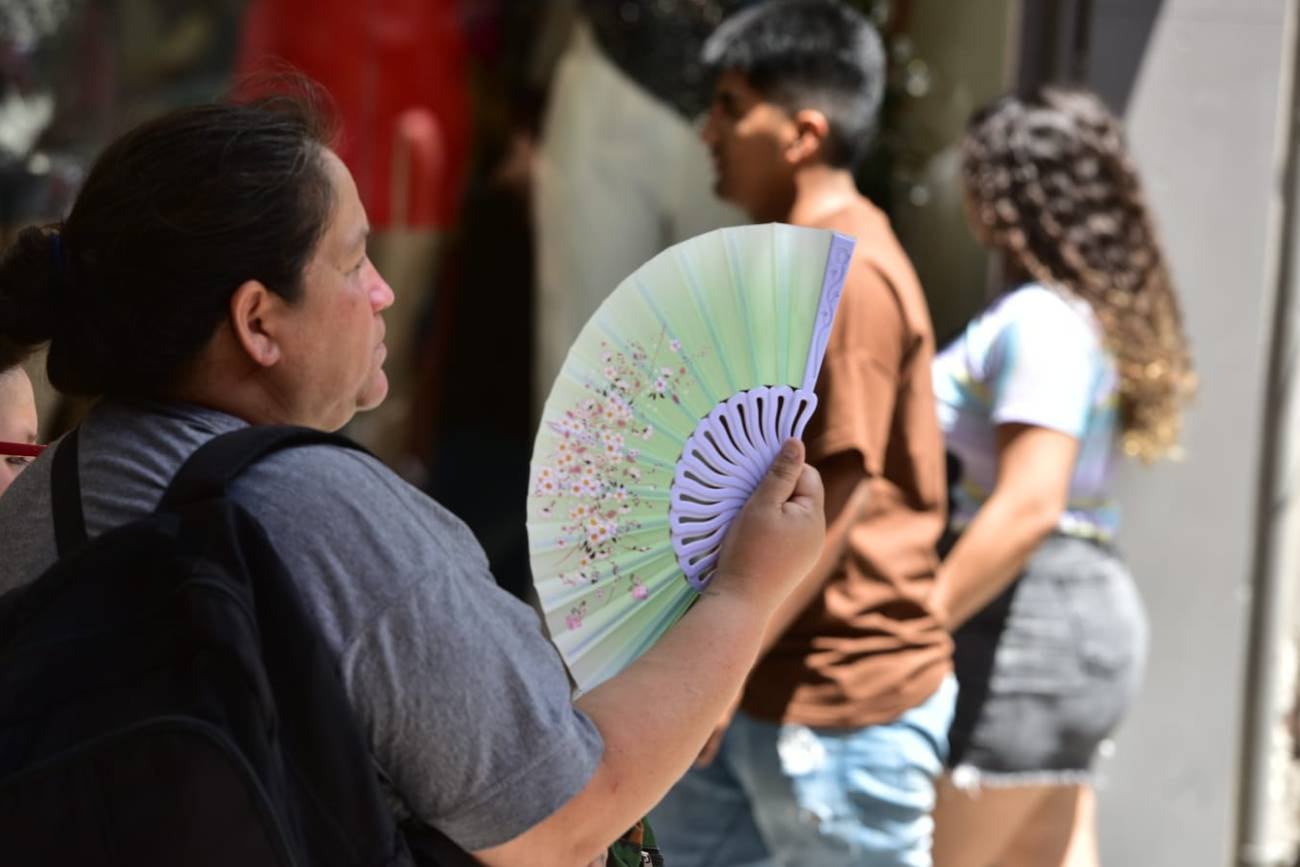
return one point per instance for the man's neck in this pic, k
(821, 192)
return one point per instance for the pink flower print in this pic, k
(576, 488)
(574, 618)
(613, 443)
(578, 512)
(620, 495)
(675, 345)
(660, 386)
(639, 590)
(634, 474)
(606, 357)
(647, 432)
(597, 531)
(610, 374)
(632, 455)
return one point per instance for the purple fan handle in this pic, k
(722, 463)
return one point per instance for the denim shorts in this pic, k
(794, 796)
(1048, 669)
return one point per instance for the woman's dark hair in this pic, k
(802, 54)
(11, 356)
(1050, 183)
(173, 217)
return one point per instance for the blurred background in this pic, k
(462, 121)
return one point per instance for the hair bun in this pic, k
(29, 289)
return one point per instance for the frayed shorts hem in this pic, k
(969, 778)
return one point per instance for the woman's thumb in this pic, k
(782, 477)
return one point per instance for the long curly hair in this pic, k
(1050, 184)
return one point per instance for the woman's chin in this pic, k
(374, 393)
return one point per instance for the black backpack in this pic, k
(165, 699)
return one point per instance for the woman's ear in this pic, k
(254, 319)
(811, 132)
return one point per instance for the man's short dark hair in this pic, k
(803, 54)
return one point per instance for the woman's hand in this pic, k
(778, 535)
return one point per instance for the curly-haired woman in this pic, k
(1083, 356)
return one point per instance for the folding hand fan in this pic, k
(669, 409)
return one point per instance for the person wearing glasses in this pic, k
(17, 421)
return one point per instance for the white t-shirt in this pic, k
(1034, 357)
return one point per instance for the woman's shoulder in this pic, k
(1045, 303)
(1038, 315)
(337, 486)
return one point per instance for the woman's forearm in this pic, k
(990, 554)
(692, 674)
(1034, 469)
(653, 717)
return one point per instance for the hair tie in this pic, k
(56, 258)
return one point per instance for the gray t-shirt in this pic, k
(465, 703)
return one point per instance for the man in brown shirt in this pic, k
(842, 727)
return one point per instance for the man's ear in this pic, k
(255, 313)
(811, 132)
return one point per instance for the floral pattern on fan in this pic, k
(596, 462)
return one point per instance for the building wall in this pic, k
(1201, 80)
(966, 52)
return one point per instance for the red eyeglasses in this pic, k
(21, 450)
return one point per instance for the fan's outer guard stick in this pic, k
(837, 267)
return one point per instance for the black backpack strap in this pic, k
(208, 472)
(65, 496)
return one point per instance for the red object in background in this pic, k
(397, 71)
(418, 169)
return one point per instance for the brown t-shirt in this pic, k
(867, 649)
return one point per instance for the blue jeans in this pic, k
(794, 796)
